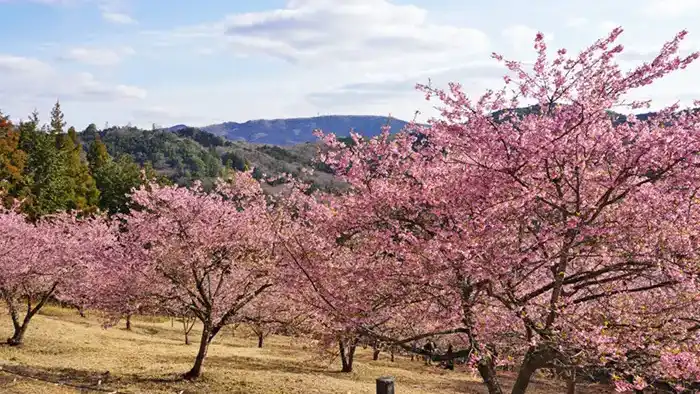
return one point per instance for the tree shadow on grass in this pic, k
(148, 341)
(90, 381)
(273, 365)
(75, 378)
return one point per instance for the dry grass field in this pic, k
(64, 353)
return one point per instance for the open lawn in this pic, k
(64, 353)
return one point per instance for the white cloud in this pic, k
(98, 56)
(118, 18)
(165, 116)
(89, 88)
(367, 34)
(383, 89)
(29, 79)
(22, 66)
(671, 8)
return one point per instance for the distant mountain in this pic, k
(295, 131)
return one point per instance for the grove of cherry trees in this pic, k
(551, 237)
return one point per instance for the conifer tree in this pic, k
(12, 159)
(84, 190)
(57, 123)
(97, 155)
(48, 189)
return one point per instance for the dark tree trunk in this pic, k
(375, 354)
(196, 370)
(523, 379)
(18, 335)
(20, 327)
(487, 370)
(260, 340)
(571, 382)
(392, 354)
(128, 322)
(535, 358)
(347, 354)
(187, 325)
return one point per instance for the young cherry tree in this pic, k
(119, 288)
(347, 292)
(273, 312)
(549, 233)
(46, 260)
(210, 253)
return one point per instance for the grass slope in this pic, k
(64, 353)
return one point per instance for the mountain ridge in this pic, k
(294, 131)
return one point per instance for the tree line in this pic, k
(48, 169)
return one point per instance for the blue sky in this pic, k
(208, 61)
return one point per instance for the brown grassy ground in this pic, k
(64, 353)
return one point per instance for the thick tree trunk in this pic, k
(535, 358)
(260, 340)
(375, 354)
(128, 322)
(523, 379)
(196, 370)
(392, 354)
(18, 335)
(347, 354)
(487, 370)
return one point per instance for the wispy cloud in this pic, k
(371, 34)
(97, 56)
(386, 89)
(118, 18)
(24, 77)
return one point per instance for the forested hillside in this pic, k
(53, 167)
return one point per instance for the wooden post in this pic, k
(385, 385)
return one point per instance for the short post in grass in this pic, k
(385, 385)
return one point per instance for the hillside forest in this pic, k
(52, 167)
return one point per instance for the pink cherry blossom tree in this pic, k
(209, 253)
(548, 232)
(119, 286)
(346, 291)
(273, 312)
(48, 259)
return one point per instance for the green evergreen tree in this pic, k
(97, 155)
(48, 189)
(115, 180)
(84, 190)
(57, 123)
(90, 132)
(12, 161)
